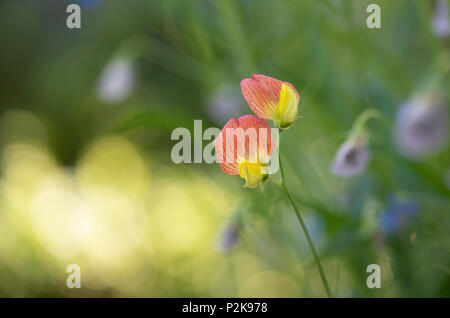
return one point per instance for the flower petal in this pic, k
(246, 138)
(228, 164)
(259, 97)
(274, 85)
(351, 158)
(287, 109)
(262, 93)
(263, 135)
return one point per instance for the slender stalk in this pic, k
(308, 238)
(362, 119)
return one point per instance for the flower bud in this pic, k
(422, 126)
(272, 99)
(352, 157)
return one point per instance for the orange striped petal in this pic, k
(247, 138)
(262, 94)
(228, 164)
(274, 85)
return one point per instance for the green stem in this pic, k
(308, 238)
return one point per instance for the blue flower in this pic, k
(441, 23)
(398, 215)
(89, 4)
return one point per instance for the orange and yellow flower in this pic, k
(243, 147)
(272, 99)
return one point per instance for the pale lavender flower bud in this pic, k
(116, 81)
(228, 236)
(351, 158)
(422, 126)
(441, 23)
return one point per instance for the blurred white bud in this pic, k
(421, 126)
(441, 24)
(352, 157)
(228, 236)
(224, 103)
(117, 81)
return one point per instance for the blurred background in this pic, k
(86, 117)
